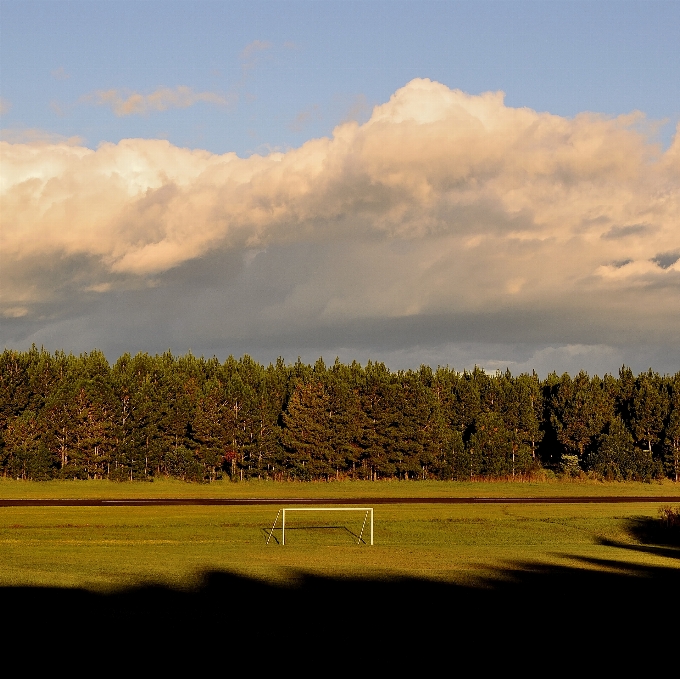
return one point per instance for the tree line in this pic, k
(197, 419)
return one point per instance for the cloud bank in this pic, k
(446, 217)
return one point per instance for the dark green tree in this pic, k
(649, 409)
(491, 447)
(308, 432)
(520, 406)
(616, 456)
(672, 433)
(580, 409)
(24, 455)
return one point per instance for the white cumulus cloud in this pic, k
(443, 204)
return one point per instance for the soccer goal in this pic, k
(368, 516)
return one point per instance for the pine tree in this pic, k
(672, 433)
(520, 407)
(615, 457)
(308, 434)
(491, 447)
(580, 409)
(649, 409)
(24, 455)
(378, 405)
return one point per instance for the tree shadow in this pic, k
(652, 536)
(651, 531)
(519, 615)
(666, 552)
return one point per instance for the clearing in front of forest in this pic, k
(172, 488)
(106, 548)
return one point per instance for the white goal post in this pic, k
(283, 510)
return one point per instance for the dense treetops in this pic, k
(198, 419)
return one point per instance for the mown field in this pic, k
(10, 488)
(109, 548)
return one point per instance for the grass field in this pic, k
(172, 488)
(105, 548)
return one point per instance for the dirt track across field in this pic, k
(363, 501)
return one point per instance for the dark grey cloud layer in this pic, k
(219, 305)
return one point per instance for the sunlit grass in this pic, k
(222, 489)
(113, 547)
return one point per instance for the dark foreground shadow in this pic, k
(652, 531)
(522, 617)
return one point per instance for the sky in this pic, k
(441, 183)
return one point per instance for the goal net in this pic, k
(368, 518)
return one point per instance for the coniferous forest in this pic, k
(78, 417)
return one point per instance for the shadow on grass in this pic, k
(654, 538)
(609, 613)
(521, 614)
(650, 531)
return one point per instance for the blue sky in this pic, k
(312, 64)
(395, 210)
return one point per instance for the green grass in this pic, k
(172, 488)
(106, 548)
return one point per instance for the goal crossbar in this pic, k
(283, 510)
